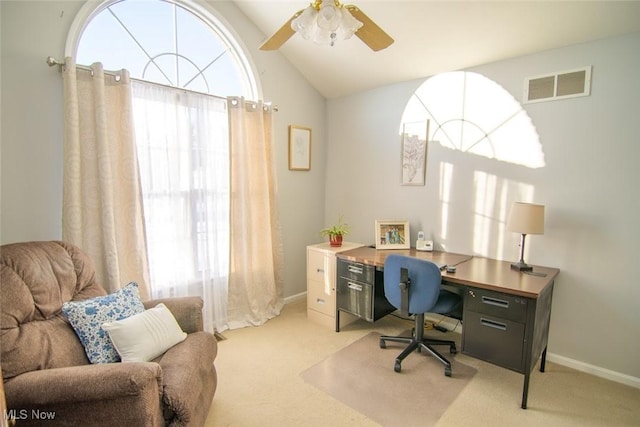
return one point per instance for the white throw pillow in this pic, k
(145, 336)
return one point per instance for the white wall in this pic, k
(588, 185)
(31, 168)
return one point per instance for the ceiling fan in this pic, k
(324, 23)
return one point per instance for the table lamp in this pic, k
(525, 218)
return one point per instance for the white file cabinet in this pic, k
(321, 284)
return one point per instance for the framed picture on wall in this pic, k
(392, 235)
(299, 148)
(415, 137)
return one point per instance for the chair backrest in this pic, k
(36, 278)
(425, 282)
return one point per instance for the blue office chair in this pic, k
(412, 285)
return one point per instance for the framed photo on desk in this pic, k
(392, 235)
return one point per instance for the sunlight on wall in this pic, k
(471, 113)
(485, 191)
(446, 175)
(468, 112)
(493, 198)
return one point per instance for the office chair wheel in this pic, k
(447, 371)
(453, 349)
(398, 368)
(383, 344)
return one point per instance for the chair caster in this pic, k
(447, 371)
(398, 368)
(383, 344)
(453, 349)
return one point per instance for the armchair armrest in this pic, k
(100, 382)
(186, 310)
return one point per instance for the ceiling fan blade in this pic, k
(372, 35)
(281, 36)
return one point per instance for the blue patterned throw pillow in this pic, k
(87, 317)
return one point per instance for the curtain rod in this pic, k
(52, 62)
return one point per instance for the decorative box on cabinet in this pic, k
(321, 283)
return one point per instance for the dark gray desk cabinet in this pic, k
(501, 328)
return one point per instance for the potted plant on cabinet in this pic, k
(336, 232)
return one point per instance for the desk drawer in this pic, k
(496, 304)
(356, 271)
(355, 297)
(495, 340)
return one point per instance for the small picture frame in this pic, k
(299, 148)
(392, 235)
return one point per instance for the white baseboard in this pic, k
(594, 370)
(295, 298)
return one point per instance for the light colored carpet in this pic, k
(364, 369)
(259, 384)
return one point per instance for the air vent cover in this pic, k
(566, 84)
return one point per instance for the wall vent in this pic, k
(566, 84)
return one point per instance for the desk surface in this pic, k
(474, 271)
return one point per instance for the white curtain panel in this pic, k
(183, 150)
(102, 205)
(256, 269)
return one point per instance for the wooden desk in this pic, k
(506, 313)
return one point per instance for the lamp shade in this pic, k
(526, 218)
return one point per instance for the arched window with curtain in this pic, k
(187, 71)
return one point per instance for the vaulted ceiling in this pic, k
(437, 36)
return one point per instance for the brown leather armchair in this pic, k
(46, 372)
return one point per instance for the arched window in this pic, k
(185, 63)
(175, 43)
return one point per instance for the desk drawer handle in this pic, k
(320, 301)
(495, 302)
(355, 269)
(493, 324)
(355, 286)
(319, 270)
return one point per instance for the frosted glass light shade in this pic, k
(329, 17)
(326, 25)
(303, 23)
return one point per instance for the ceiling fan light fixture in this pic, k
(326, 24)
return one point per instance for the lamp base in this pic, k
(521, 266)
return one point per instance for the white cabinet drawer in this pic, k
(320, 299)
(319, 265)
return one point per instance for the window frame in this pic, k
(202, 10)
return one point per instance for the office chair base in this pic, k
(418, 345)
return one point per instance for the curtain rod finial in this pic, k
(51, 61)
